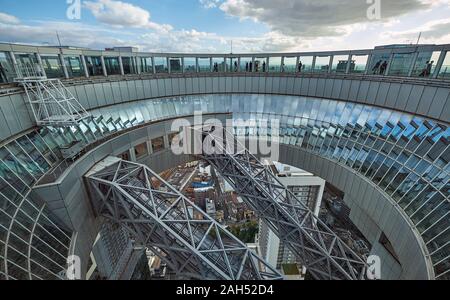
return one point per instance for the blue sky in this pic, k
(211, 25)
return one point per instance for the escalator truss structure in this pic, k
(319, 249)
(158, 216)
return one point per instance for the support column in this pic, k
(102, 58)
(63, 64)
(83, 61)
(39, 59)
(138, 64)
(121, 65)
(439, 64)
(349, 64)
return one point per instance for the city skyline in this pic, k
(213, 26)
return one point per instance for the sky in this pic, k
(213, 26)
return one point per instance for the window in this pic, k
(52, 66)
(232, 64)
(190, 65)
(158, 144)
(425, 64)
(146, 65)
(161, 65)
(6, 68)
(379, 63)
(112, 65)
(340, 63)
(141, 150)
(359, 63)
(401, 64)
(175, 65)
(260, 64)
(74, 66)
(444, 72)
(275, 64)
(204, 64)
(246, 64)
(129, 66)
(305, 63)
(218, 64)
(322, 64)
(290, 65)
(94, 65)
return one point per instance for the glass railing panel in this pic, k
(218, 64)
(161, 65)
(425, 64)
(306, 64)
(340, 63)
(275, 64)
(290, 64)
(74, 66)
(379, 63)
(146, 65)
(261, 64)
(401, 64)
(358, 64)
(52, 66)
(444, 72)
(112, 65)
(204, 64)
(190, 65)
(246, 64)
(322, 64)
(175, 65)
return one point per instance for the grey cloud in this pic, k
(315, 18)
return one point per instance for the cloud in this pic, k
(210, 3)
(122, 14)
(437, 31)
(8, 19)
(318, 18)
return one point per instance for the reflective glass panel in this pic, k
(146, 65)
(444, 72)
(401, 64)
(322, 64)
(204, 64)
(190, 65)
(52, 66)
(340, 63)
(74, 66)
(425, 64)
(246, 64)
(359, 63)
(275, 64)
(218, 64)
(112, 65)
(175, 65)
(261, 64)
(161, 65)
(305, 63)
(290, 64)
(94, 65)
(6, 68)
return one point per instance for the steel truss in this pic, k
(51, 102)
(191, 243)
(320, 250)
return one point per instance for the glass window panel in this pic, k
(52, 66)
(260, 64)
(322, 64)
(218, 64)
(204, 64)
(444, 72)
(340, 63)
(401, 64)
(158, 144)
(232, 64)
(112, 65)
(246, 64)
(175, 65)
(6, 68)
(425, 64)
(290, 64)
(379, 63)
(129, 65)
(146, 65)
(305, 63)
(141, 150)
(275, 64)
(161, 65)
(94, 65)
(359, 63)
(190, 65)
(74, 66)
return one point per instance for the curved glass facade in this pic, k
(33, 243)
(405, 155)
